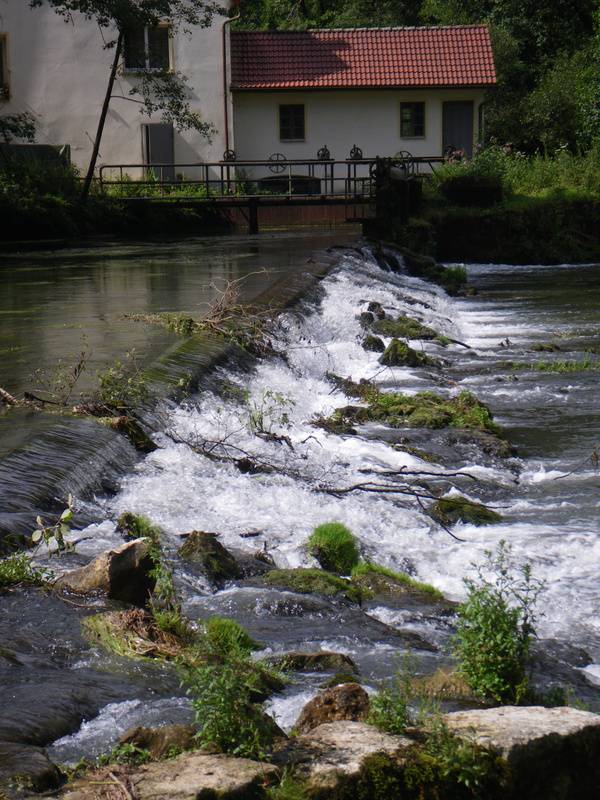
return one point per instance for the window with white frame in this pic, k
(3, 67)
(147, 47)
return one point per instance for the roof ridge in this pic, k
(481, 25)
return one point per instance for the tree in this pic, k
(160, 90)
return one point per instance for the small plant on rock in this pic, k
(334, 546)
(17, 570)
(53, 533)
(496, 627)
(390, 707)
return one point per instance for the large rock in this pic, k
(123, 573)
(161, 742)
(323, 661)
(552, 753)
(348, 701)
(201, 547)
(191, 776)
(28, 766)
(336, 753)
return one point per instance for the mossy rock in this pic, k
(404, 328)
(383, 582)
(363, 389)
(314, 581)
(422, 410)
(204, 548)
(399, 354)
(136, 526)
(373, 344)
(546, 347)
(339, 679)
(130, 428)
(314, 662)
(335, 548)
(366, 319)
(450, 510)
(445, 685)
(133, 634)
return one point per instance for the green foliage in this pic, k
(367, 574)
(136, 526)
(309, 581)
(271, 410)
(122, 386)
(226, 717)
(289, 788)
(496, 627)
(335, 548)
(53, 533)
(227, 639)
(404, 328)
(17, 570)
(390, 707)
(125, 754)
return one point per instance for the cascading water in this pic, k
(267, 411)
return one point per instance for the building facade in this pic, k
(58, 71)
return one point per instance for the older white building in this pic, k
(419, 90)
(58, 71)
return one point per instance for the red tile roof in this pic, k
(362, 58)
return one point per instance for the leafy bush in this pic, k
(496, 627)
(225, 715)
(18, 569)
(122, 387)
(334, 546)
(389, 708)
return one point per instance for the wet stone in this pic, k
(204, 549)
(347, 701)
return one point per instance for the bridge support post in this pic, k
(253, 216)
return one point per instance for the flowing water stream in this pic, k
(547, 493)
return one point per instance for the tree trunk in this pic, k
(109, 89)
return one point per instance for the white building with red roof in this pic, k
(419, 90)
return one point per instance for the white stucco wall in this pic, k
(340, 119)
(59, 71)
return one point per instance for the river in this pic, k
(546, 493)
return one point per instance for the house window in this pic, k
(292, 126)
(412, 120)
(147, 48)
(3, 68)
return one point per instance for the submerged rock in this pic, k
(552, 753)
(373, 344)
(317, 581)
(450, 510)
(201, 547)
(399, 354)
(324, 661)
(123, 573)
(347, 701)
(191, 776)
(161, 742)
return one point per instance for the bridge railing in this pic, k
(352, 180)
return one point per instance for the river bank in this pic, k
(181, 488)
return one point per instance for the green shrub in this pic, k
(473, 190)
(390, 707)
(125, 754)
(225, 715)
(122, 387)
(496, 627)
(18, 570)
(334, 546)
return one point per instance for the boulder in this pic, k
(373, 344)
(27, 766)
(201, 547)
(323, 661)
(335, 754)
(552, 753)
(450, 510)
(399, 354)
(190, 776)
(161, 742)
(123, 573)
(348, 701)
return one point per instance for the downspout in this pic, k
(225, 81)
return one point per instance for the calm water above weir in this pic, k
(547, 493)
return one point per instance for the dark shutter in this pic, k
(458, 127)
(135, 48)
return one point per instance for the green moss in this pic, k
(381, 580)
(399, 354)
(364, 389)
(204, 548)
(338, 679)
(135, 526)
(422, 410)
(404, 328)
(334, 547)
(132, 634)
(17, 570)
(373, 344)
(450, 510)
(314, 581)
(546, 347)
(290, 788)
(227, 637)
(565, 367)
